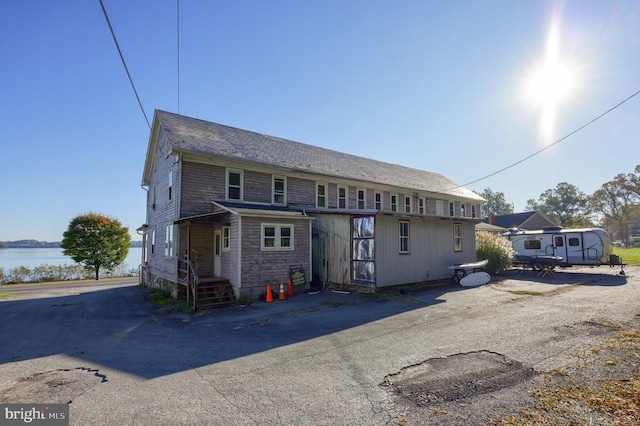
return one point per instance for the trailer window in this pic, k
(559, 242)
(532, 245)
(574, 242)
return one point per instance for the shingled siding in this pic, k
(301, 192)
(257, 187)
(271, 267)
(201, 183)
(161, 211)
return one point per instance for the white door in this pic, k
(217, 248)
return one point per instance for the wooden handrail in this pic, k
(192, 279)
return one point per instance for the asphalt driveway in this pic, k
(325, 358)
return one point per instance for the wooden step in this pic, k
(214, 293)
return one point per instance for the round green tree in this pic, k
(96, 242)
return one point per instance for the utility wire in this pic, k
(547, 147)
(113, 34)
(178, 42)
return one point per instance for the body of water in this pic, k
(31, 257)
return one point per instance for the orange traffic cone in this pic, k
(282, 296)
(269, 297)
(290, 292)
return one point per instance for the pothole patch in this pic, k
(52, 387)
(457, 377)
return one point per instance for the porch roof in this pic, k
(263, 210)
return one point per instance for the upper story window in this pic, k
(321, 195)
(463, 210)
(378, 201)
(452, 208)
(279, 190)
(421, 204)
(170, 184)
(362, 199)
(394, 203)
(342, 197)
(473, 210)
(439, 207)
(407, 204)
(234, 185)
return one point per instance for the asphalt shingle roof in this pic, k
(186, 134)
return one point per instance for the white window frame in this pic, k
(171, 184)
(240, 187)
(277, 237)
(393, 201)
(403, 237)
(439, 208)
(378, 200)
(325, 197)
(457, 237)
(422, 202)
(153, 241)
(361, 203)
(463, 210)
(473, 211)
(275, 193)
(452, 208)
(344, 199)
(407, 204)
(168, 240)
(226, 238)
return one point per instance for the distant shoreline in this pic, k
(43, 244)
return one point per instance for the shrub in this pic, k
(496, 249)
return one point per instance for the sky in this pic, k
(463, 88)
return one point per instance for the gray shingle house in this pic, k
(241, 209)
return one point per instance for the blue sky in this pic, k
(438, 86)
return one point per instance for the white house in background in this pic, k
(245, 209)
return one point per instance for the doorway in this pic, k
(217, 249)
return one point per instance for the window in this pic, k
(234, 185)
(170, 183)
(421, 204)
(404, 236)
(226, 238)
(532, 245)
(394, 203)
(321, 195)
(407, 204)
(457, 237)
(342, 197)
(362, 199)
(277, 237)
(560, 242)
(574, 242)
(473, 210)
(452, 208)
(463, 210)
(378, 201)
(279, 190)
(153, 241)
(439, 207)
(168, 241)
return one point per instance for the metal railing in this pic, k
(188, 276)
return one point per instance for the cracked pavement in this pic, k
(315, 359)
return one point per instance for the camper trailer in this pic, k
(586, 246)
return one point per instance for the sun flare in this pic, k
(550, 83)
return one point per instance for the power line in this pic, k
(547, 147)
(178, 42)
(113, 34)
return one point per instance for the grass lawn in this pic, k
(630, 256)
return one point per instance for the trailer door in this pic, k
(559, 245)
